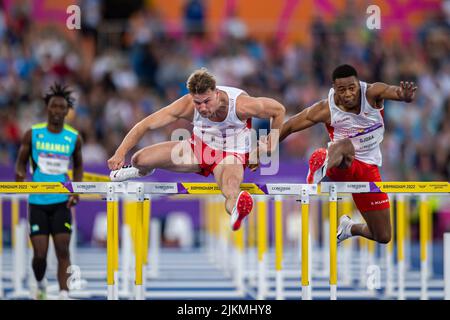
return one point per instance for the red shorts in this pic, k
(209, 158)
(360, 171)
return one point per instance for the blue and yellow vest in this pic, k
(50, 159)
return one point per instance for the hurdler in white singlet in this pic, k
(230, 135)
(365, 129)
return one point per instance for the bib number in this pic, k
(53, 166)
(369, 140)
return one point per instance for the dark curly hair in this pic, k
(58, 90)
(344, 71)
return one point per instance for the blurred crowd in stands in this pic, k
(122, 71)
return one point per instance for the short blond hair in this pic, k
(200, 81)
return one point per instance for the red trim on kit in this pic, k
(330, 130)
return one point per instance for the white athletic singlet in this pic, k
(365, 129)
(230, 135)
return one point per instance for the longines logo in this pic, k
(356, 186)
(87, 186)
(281, 189)
(164, 188)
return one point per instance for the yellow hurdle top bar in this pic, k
(387, 187)
(149, 188)
(212, 188)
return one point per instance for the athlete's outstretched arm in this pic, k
(318, 112)
(264, 108)
(406, 92)
(23, 156)
(181, 108)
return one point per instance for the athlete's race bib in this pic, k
(369, 138)
(53, 164)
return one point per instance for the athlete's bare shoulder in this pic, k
(187, 99)
(183, 107)
(319, 112)
(259, 107)
(244, 98)
(244, 94)
(323, 104)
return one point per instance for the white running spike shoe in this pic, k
(126, 173)
(344, 229)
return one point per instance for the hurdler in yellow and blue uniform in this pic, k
(50, 155)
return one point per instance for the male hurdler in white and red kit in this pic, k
(220, 143)
(353, 116)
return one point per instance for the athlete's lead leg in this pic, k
(171, 155)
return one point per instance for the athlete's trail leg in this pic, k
(229, 174)
(377, 226)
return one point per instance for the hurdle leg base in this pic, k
(333, 292)
(423, 280)
(401, 280)
(110, 295)
(306, 292)
(139, 292)
(116, 285)
(261, 280)
(279, 285)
